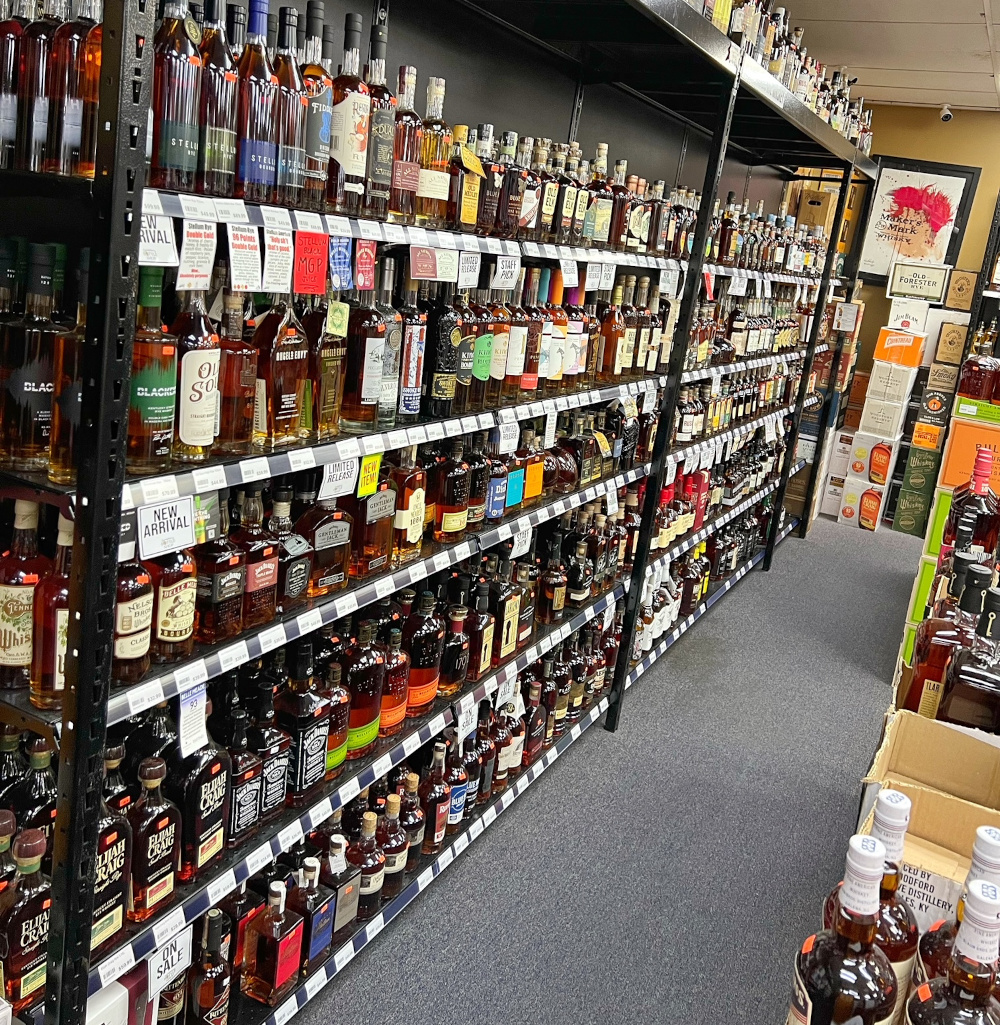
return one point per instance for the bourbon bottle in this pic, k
(394, 841)
(345, 187)
(174, 577)
(396, 686)
(197, 380)
(314, 902)
(209, 979)
(319, 90)
(51, 625)
(221, 579)
(217, 107)
(24, 924)
(305, 715)
(423, 638)
(248, 783)
(435, 800)
(364, 676)
(256, 125)
(260, 549)
(273, 950)
(21, 569)
(156, 838)
(112, 876)
(279, 417)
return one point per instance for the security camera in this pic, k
(946, 114)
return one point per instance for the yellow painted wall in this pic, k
(972, 138)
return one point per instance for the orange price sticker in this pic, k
(923, 993)
(809, 944)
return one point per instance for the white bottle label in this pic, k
(371, 386)
(199, 393)
(59, 669)
(349, 133)
(433, 184)
(515, 350)
(16, 605)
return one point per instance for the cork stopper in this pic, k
(412, 783)
(152, 772)
(29, 847)
(368, 823)
(392, 806)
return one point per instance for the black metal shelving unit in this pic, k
(656, 52)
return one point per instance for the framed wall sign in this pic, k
(918, 281)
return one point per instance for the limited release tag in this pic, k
(570, 273)
(338, 479)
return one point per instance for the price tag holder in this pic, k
(338, 226)
(316, 982)
(344, 956)
(234, 655)
(530, 248)
(271, 638)
(286, 1011)
(218, 888)
(394, 233)
(117, 965)
(260, 858)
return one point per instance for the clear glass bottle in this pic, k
(431, 207)
(273, 950)
(366, 854)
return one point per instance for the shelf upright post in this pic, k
(127, 60)
(800, 398)
(985, 274)
(654, 480)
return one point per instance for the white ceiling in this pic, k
(916, 52)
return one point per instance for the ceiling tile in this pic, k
(855, 12)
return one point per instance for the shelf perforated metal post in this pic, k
(800, 399)
(689, 302)
(127, 73)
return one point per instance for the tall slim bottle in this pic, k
(291, 110)
(407, 136)
(382, 123)
(435, 158)
(256, 128)
(217, 107)
(34, 61)
(319, 110)
(345, 186)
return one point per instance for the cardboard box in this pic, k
(939, 517)
(927, 436)
(965, 437)
(840, 452)
(883, 417)
(852, 418)
(873, 457)
(805, 448)
(921, 471)
(912, 512)
(942, 377)
(903, 347)
(951, 343)
(890, 382)
(861, 504)
(817, 209)
(833, 490)
(935, 406)
(936, 318)
(961, 289)
(859, 389)
(908, 314)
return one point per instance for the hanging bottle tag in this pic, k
(611, 500)
(244, 257)
(428, 264)
(157, 246)
(550, 430)
(368, 478)
(191, 732)
(468, 269)
(194, 271)
(338, 479)
(364, 264)
(570, 273)
(340, 263)
(506, 272)
(311, 251)
(278, 260)
(592, 282)
(738, 284)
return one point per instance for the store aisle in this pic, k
(667, 873)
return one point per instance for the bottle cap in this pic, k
(275, 895)
(315, 16)
(152, 771)
(366, 631)
(353, 24)
(29, 845)
(8, 823)
(986, 855)
(863, 875)
(979, 934)
(458, 613)
(368, 823)
(392, 805)
(427, 601)
(412, 783)
(310, 870)
(892, 816)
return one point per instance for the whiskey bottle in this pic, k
(349, 126)
(413, 821)
(479, 626)
(392, 353)
(486, 752)
(201, 786)
(24, 924)
(295, 554)
(153, 385)
(344, 880)
(319, 105)
(434, 182)
(366, 339)
(435, 800)
(315, 903)
(374, 517)
(133, 619)
(965, 993)
(51, 625)
(551, 604)
(412, 353)
(444, 340)
(67, 384)
(260, 549)
(256, 127)
(115, 791)
(407, 137)
(452, 489)
(364, 672)
(366, 854)
(382, 125)
(329, 530)
(282, 370)
(455, 659)
(340, 720)
(237, 381)
(409, 481)
(326, 332)
(217, 107)
(112, 876)
(248, 782)
(209, 980)
(8, 867)
(21, 569)
(291, 111)
(394, 842)
(13, 765)
(535, 723)
(423, 638)
(458, 779)
(26, 368)
(174, 577)
(396, 686)
(221, 578)
(273, 951)
(156, 839)
(841, 974)
(197, 380)
(505, 605)
(305, 715)
(272, 746)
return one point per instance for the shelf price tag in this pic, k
(570, 273)
(244, 257)
(271, 638)
(260, 858)
(117, 965)
(315, 983)
(278, 260)
(234, 655)
(157, 246)
(394, 233)
(290, 835)
(286, 1011)
(344, 956)
(194, 272)
(276, 217)
(218, 888)
(311, 254)
(169, 960)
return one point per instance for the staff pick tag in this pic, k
(197, 256)
(550, 429)
(191, 731)
(338, 479)
(340, 263)
(506, 272)
(570, 273)
(244, 257)
(157, 245)
(607, 276)
(278, 260)
(521, 543)
(364, 265)
(309, 277)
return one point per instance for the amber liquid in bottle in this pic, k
(282, 371)
(363, 373)
(21, 569)
(156, 841)
(217, 107)
(407, 137)
(345, 186)
(51, 625)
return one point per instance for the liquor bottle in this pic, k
(260, 550)
(382, 123)
(282, 369)
(51, 624)
(979, 499)
(344, 880)
(256, 114)
(964, 993)
(551, 604)
(329, 530)
(840, 973)
(318, 87)
(435, 800)
(393, 351)
(897, 932)
(455, 659)
(197, 380)
(248, 783)
(295, 554)
(221, 568)
(177, 70)
(115, 792)
(340, 708)
(156, 841)
(24, 924)
(8, 867)
(457, 779)
(431, 206)
(412, 353)
(67, 385)
(345, 187)
(485, 751)
(209, 980)
(112, 876)
(217, 107)
(200, 784)
(236, 29)
(395, 688)
(304, 715)
(68, 85)
(272, 746)
(273, 951)
(366, 854)
(505, 605)
(971, 696)
(26, 372)
(423, 638)
(326, 334)
(21, 569)
(364, 676)
(479, 626)
(394, 841)
(241, 906)
(11, 28)
(133, 619)
(366, 338)
(451, 510)
(32, 798)
(407, 137)
(315, 903)
(409, 481)
(291, 111)
(153, 385)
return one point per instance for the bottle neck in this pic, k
(352, 62)
(376, 71)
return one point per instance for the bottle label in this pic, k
(380, 506)
(442, 386)
(515, 488)
(559, 596)
(466, 354)
(337, 532)
(413, 368)
(544, 355)
(517, 344)
(59, 655)
(321, 929)
(336, 756)
(405, 175)
(262, 575)
(349, 122)
(482, 358)
(178, 145)
(800, 1008)
(393, 715)
(308, 755)
(289, 958)
(198, 383)
(258, 162)
(318, 116)
(111, 879)
(213, 803)
(557, 352)
(602, 219)
(371, 882)
(508, 632)
(530, 201)
(244, 806)
(416, 837)
(412, 519)
(275, 782)
(433, 184)
(499, 355)
(371, 380)
(396, 862)
(218, 587)
(533, 479)
(459, 793)
(175, 610)
(8, 116)
(454, 522)
(217, 152)
(421, 694)
(291, 166)
(441, 820)
(362, 736)
(347, 904)
(381, 133)
(496, 498)
(930, 698)
(297, 577)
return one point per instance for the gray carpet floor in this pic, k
(667, 873)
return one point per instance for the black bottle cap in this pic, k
(315, 16)
(366, 632)
(300, 34)
(288, 20)
(395, 637)
(329, 43)
(236, 19)
(975, 588)
(379, 38)
(334, 673)
(215, 922)
(212, 10)
(302, 658)
(353, 26)
(979, 576)
(272, 29)
(197, 12)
